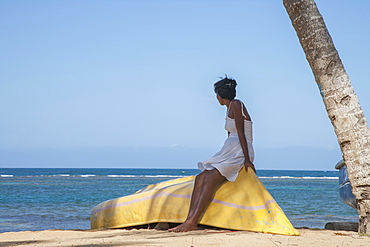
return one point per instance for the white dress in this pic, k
(230, 159)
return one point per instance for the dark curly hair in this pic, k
(225, 88)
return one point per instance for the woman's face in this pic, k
(220, 100)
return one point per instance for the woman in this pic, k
(226, 164)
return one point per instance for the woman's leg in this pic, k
(195, 195)
(202, 194)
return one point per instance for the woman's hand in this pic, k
(247, 164)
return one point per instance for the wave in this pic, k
(145, 176)
(158, 176)
(304, 177)
(68, 175)
(93, 175)
(6, 176)
(51, 176)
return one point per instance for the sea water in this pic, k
(41, 198)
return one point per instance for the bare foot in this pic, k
(184, 227)
(162, 226)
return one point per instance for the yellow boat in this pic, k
(241, 205)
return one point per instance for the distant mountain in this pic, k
(289, 158)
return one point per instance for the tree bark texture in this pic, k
(340, 100)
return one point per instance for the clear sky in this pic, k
(130, 83)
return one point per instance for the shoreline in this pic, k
(146, 237)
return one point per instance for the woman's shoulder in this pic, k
(237, 103)
(238, 106)
(238, 100)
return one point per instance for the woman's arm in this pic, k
(239, 122)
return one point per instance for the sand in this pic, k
(309, 237)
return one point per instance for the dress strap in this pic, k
(242, 105)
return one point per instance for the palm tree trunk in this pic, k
(340, 100)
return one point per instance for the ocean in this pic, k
(62, 198)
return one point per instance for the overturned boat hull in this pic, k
(241, 205)
(345, 188)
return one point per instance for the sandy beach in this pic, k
(309, 237)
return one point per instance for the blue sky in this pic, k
(130, 83)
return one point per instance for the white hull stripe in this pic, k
(165, 194)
